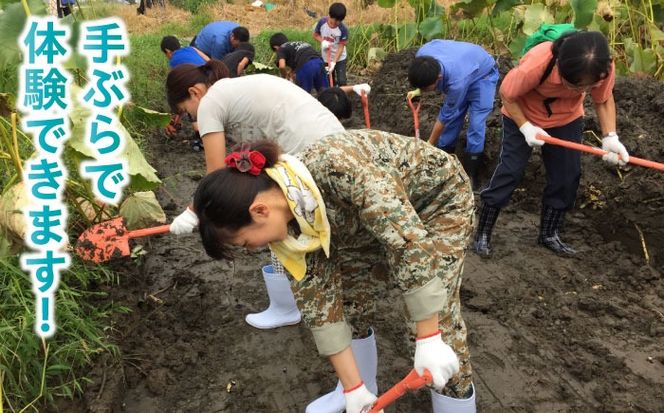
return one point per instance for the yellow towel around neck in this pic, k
(306, 204)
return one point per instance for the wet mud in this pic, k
(546, 333)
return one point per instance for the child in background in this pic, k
(238, 60)
(337, 101)
(217, 39)
(467, 75)
(177, 55)
(65, 7)
(333, 36)
(302, 59)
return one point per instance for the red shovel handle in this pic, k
(162, 229)
(416, 115)
(411, 382)
(365, 106)
(599, 152)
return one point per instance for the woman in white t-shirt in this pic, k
(247, 109)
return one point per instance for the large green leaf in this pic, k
(12, 202)
(387, 3)
(406, 34)
(143, 176)
(599, 25)
(643, 60)
(516, 45)
(5, 3)
(77, 62)
(426, 8)
(148, 117)
(504, 5)
(376, 53)
(142, 210)
(12, 21)
(470, 8)
(658, 13)
(432, 27)
(657, 34)
(256, 67)
(536, 15)
(584, 10)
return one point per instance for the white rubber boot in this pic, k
(444, 404)
(366, 358)
(282, 310)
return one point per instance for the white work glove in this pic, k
(611, 144)
(530, 132)
(413, 94)
(325, 44)
(433, 354)
(184, 223)
(363, 87)
(330, 67)
(359, 400)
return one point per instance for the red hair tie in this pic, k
(246, 161)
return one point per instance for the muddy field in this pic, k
(547, 334)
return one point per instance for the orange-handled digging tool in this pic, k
(416, 115)
(411, 382)
(599, 152)
(365, 105)
(110, 239)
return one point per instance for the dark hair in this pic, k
(170, 42)
(277, 39)
(337, 11)
(241, 34)
(246, 46)
(186, 75)
(423, 72)
(337, 101)
(581, 56)
(223, 198)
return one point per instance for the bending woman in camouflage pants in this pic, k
(344, 205)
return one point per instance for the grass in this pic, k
(34, 371)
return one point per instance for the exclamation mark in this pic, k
(45, 327)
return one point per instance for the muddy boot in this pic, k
(282, 310)
(472, 164)
(550, 226)
(487, 219)
(366, 357)
(444, 404)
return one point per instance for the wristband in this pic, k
(429, 336)
(346, 391)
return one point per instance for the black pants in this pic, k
(563, 166)
(339, 74)
(64, 10)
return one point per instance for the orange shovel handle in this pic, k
(416, 115)
(365, 106)
(411, 382)
(162, 229)
(599, 152)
